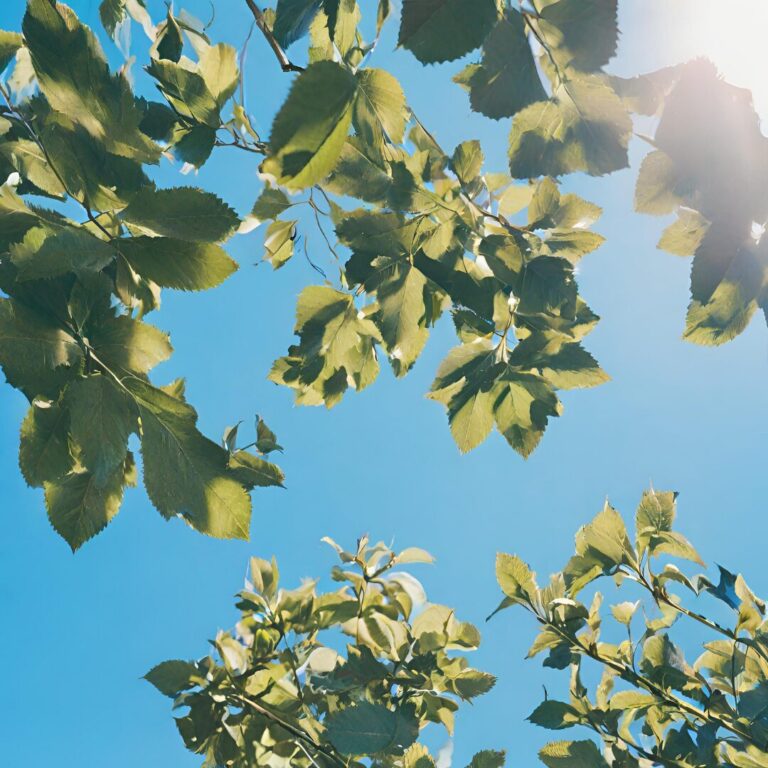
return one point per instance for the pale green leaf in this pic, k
(308, 132)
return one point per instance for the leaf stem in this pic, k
(14, 110)
(285, 63)
(292, 729)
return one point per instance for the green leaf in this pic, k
(601, 547)
(584, 127)
(169, 41)
(686, 234)
(45, 253)
(266, 439)
(173, 677)
(554, 715)
(358, 175)
(79, 506)
(368, 729)
(186, 91)
(343, 18)
(479, 389)
(379, 107)
(279, 242)
(655, 513)
(467, 161)
(488, 759)
(293, 18)
(218, 67)
(31, 164)
(184, 213)
(515, 578)
(184, 472)
(171, 263)
(401, 314)
(255, 472)
(506, 79)
(584, 33)
(271, 203)
(720, 315)
(308, 132)
(336, 348)
(36, 353)
(195, 145)
(656, 191)
(569, 366)
(10, 42)
(472, 683)
(102, 418)
(125, 344)
(572, 754)
(443, 30)
(74, 76)
(623, 612)
(112, 13)
(44, 447)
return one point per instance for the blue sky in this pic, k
(80, 631)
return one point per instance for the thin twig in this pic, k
(285, 63)
(292, 729)
(14, 111)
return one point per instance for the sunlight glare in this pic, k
(732, 34)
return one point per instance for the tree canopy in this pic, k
(413, 231)
(430, 231)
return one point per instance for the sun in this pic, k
(732, 33)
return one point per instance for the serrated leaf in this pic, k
(10, 42)
(45, 253)
(684, 236)
(368, 729)
(102, 418)
(308, 132)
(336, 348)
(172, 263)
(79, 506)
(255, 472)
(173, 677)
(583, 34)
(125, 344)
(656, 190)
(515, 578)
(266, 439)
(379, 107)
(218, 68)
(584, 127)
(572, 754)
(184, 472)
(36, 353)
(184, 213)
(443, 30)
(506, 79)
(271, 203)
(488, 759)
(66, 55)
(186, 91)
(554, 715)
(292, 19)
(44, 446)
(279, 242)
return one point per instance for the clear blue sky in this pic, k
(78, 632)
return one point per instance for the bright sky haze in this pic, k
(80, 631)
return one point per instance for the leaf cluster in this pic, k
(79, 274)
(342, 678)
(432, 234)
(650, 704)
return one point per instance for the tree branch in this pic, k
(285, 63)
